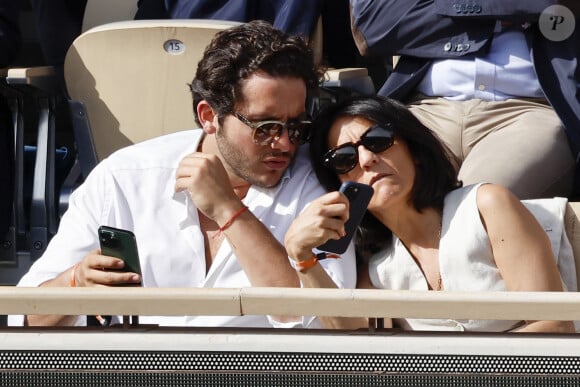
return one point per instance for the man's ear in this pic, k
(207, 117)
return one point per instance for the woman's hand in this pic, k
(321, 220)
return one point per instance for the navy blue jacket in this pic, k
(423, 30)
(292, 16)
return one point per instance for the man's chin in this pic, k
(267, 180)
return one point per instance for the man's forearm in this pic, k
(62, 280)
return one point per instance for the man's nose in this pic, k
(283, 143)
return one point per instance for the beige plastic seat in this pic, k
(133, 78)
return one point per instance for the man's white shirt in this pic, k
(134, 189)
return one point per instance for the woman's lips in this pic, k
(377, 178)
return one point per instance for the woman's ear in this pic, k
(207, 117)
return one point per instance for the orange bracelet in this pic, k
(302, 266)
(73, 282)
(229, 222)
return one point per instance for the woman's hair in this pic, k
(239, 52)
(435, 176)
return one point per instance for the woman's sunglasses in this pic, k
(266, 132)
(343, 159)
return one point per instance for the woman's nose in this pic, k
(365, 157)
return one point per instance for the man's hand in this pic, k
(204, 177)
(100, 270)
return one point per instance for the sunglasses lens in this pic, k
(267, 132)
(378, 139)
(299, 132)
(342, 159)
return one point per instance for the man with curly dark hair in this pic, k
(209, 207)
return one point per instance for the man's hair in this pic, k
(239, 52)
(435, 166)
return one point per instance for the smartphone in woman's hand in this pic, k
(359, 195)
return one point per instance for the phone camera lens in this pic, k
(107, 237)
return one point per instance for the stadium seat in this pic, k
(125, 93)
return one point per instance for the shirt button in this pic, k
(481, 87)
(447, 46)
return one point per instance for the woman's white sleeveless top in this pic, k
(466, 263)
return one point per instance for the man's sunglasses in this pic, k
(266, 132)
(343, 159)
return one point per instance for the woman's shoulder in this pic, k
(486, 195)
(491, 197)
(461, 195)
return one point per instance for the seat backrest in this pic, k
(572, 226)
(98, 12)
(133, 77)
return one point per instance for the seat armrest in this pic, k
(44, 86)
(354, 78)
(43, 78)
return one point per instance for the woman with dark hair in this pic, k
(422, 230)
